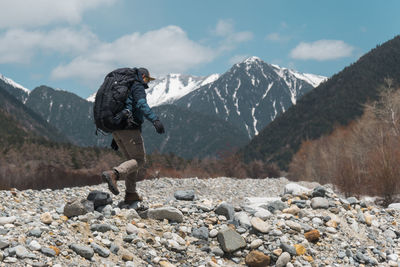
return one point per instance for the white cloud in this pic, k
(322, 50)
(162, 51)
(238, 58)
(33, 13)
(19, 46)
(226, 29)
(277, 37)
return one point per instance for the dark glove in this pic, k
(114, 145)
(159, 127)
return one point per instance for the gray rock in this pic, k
(100, 228)
(4, 243)
(392, 257)
(21, 252)
(263, 214)
(84, 251)
(103, 252)
(390, 234)
(48, 252)
(7, 220)
(200, 233)
(319, 203)
(217, 251)
(276, 232)
(36, 232)
(341, 254)
(99, 198)
(243, 219)
(230, 241)
(288, 248)
(34, 245)
(352, 200)
(318, 191)
(184, 195)
(226, 210)
(78, 207)
(129, 238)
(170, 213)
(275, 206)
(114, 248)
(283, 259)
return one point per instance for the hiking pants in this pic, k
(130, 143)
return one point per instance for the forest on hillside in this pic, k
(362, 158)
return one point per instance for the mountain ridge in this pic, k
(338, 101)
(250, 94)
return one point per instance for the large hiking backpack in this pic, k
(110, 100)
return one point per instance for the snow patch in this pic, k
(92, 97)
(169, 88)
(254, 121)
(13, 84)
(312, 79)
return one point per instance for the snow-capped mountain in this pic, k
(251, 94)
(169, 88)
(15, 89)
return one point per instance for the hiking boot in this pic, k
(133, 201)
(132, 197)
(111, 178)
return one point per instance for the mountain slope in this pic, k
(69, 113)
(22, 119)
(338, 101)
(190, 134)
(251, 94)
(73, 116)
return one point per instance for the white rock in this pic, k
(296, 189)
(263, 214)
(260, 225)
(34, 245)
(213, 233)
(256, 243)
(294, 225)
(7, 220)
(131, 229)
(395, 206)
(243, 219)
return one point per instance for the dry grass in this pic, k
(362, 158)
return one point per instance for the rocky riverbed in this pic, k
(198, 222)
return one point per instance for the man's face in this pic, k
(145, 79)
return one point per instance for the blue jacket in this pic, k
(137, 103)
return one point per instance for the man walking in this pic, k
(130, 141)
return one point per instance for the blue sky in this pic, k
(72, 44)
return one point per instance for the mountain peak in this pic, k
(252, 59)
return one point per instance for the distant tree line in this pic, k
(362, 158)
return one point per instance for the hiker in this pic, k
(129, 139)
